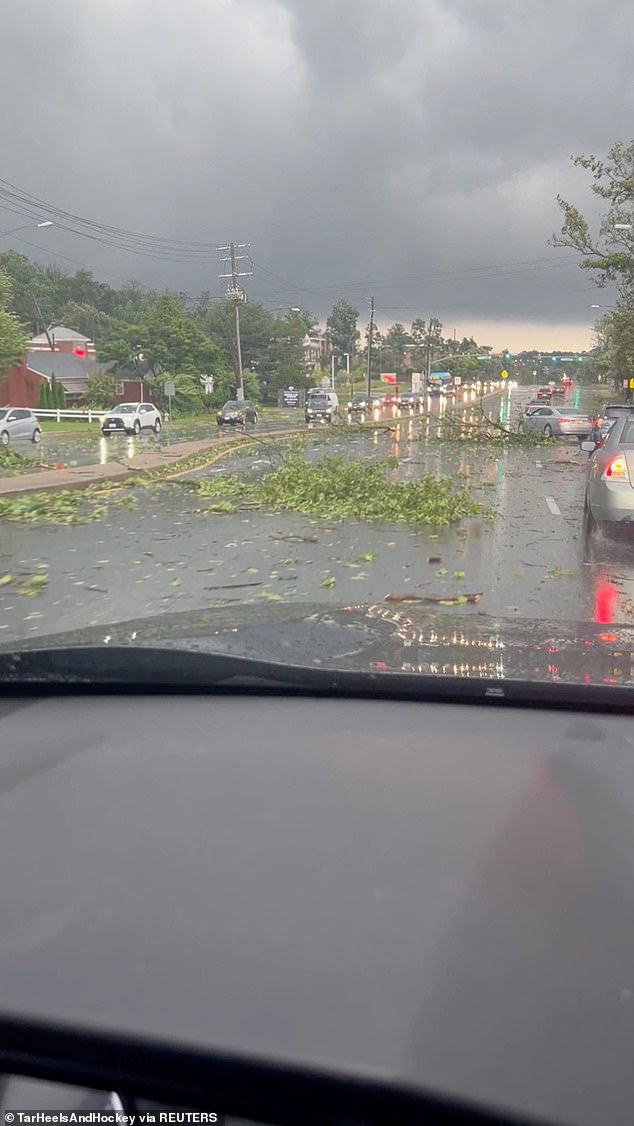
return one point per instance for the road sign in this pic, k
(504, 374)
(325, 381)
(631, 384)
(290, 397)
(170, 391)
(388, 376)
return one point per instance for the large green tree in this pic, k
(342, 328)
(12, 334)
(271, 341)
(427, 336)
(608, 252)
(167, 337)
(101, 389)
(395, 354)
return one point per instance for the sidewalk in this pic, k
(82, 476)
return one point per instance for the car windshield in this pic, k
(360, 345)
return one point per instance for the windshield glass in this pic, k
(365, 357)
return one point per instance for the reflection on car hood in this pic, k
(404, 638)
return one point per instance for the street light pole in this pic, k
(27, 227)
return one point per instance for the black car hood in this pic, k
(378, 638)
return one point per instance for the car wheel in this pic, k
(137, 426)
(548, 431)
(157, 426)
(589, 523)
(37, 434)
(4, 437)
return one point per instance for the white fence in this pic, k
(79, 415)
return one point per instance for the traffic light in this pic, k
(506, 355)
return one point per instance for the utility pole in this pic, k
(51, 342)
(428, 366)
(368, 375)
(235, 295)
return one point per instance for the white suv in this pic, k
(131, 418)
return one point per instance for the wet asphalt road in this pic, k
(169, 555)
(67, 449)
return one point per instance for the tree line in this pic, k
(607, 254)
(166, 336)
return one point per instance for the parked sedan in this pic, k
(132, 418)
(18, 422)
(609, 496)
(555, 422)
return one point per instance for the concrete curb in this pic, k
(116, 472)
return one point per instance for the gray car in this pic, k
(609, 496)
(16, 423)
(557, 422)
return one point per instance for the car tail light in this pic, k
(616, 470)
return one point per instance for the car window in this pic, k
(627, 435)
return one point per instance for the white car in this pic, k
(18, 422)
(132, 418)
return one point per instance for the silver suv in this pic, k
(18, 422)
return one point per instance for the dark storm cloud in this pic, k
(412, 148)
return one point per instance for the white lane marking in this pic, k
(553, 506)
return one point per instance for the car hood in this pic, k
(376, 639)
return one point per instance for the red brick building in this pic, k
(71, 360)
(19, 386)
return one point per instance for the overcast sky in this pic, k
(410, 149)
